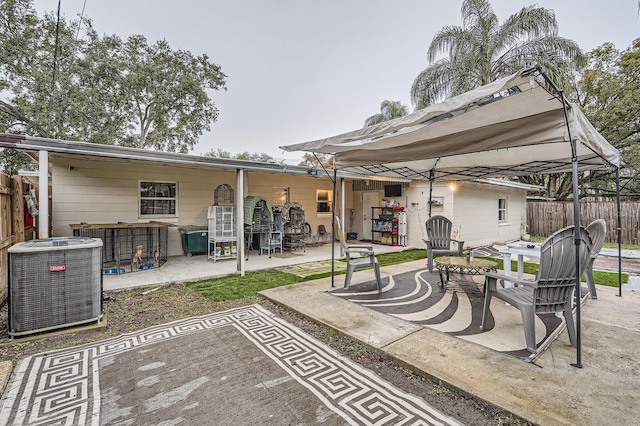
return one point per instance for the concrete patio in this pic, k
(551, 391)
(180, 269)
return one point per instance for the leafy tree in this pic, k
(218, 153)
(165, 91)
(246, 155)
(388, 110)
(12, 160)
(483, 50)
(38, 100)
(17, 48)
(609, 93)
(104, 89)
(317, 161)
(607, 89)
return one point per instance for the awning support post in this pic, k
(333, 225)
(43, 196)
(342, 212)
(240, 246)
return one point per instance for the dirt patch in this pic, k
(610, 263)
(133, 310)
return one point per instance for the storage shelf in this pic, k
(386, 224)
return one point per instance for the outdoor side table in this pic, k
(521, 250)
(461, 265)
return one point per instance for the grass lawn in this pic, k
(237, 287)
(609, 279)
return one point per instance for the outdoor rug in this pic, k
(240, 367)
(416, 296)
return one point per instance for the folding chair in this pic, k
(323, 235)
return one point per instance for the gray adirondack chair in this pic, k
(439, 239)
(597, 231)
(366, 258)
(552, 288)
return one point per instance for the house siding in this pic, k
(473, 209)
(477, 215)
(106, 191)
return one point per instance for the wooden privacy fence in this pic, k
(12, 226)
(546, 217)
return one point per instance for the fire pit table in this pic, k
(462, 265)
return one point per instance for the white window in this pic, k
(502, 209)
(158, 199)
(280, 196)
(323, 201)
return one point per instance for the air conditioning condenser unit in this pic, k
(54, 283)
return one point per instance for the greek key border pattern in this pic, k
(63, 387)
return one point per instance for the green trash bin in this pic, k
(194, 239)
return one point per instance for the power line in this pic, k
(55, 50)
(84, 4)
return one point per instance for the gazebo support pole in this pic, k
(576, 213)
(576, 232)
(333, 211)
(431, 178)
(577, 237)
(619, 233)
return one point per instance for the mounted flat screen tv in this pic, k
(393, 190)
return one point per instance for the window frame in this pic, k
(142, 198)
(328, 201)
(503, 210)
(280, 195)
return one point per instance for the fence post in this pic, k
(17, 202)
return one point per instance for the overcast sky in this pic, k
(299, 70)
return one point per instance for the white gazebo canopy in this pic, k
(511, 127)
(516, 126)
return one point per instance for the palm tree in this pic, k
(388, 110)
(483, 50)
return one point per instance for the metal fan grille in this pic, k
(43, 295)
